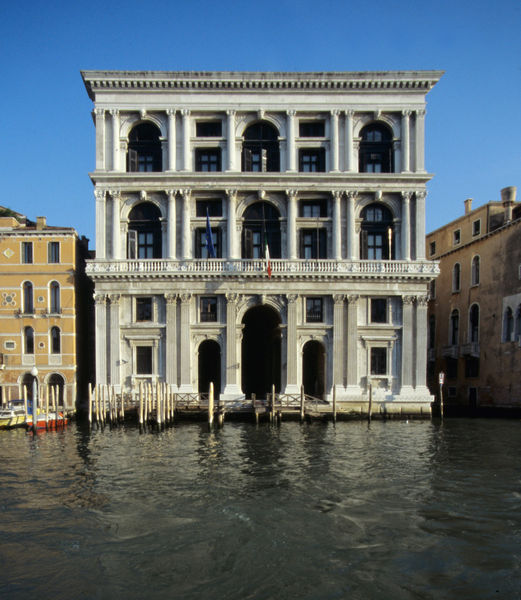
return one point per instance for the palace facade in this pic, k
(312, 188)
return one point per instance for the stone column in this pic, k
(292, 386)
(232, 224)
(171, 139)
(171, 339)
(116, 224)
(406, 226)
(100, 223)
(407, 342)
(406, 144)
(114, 377)
(334, 140)
(351, 197)
(292, 158)
(353, 385)
(100, 316)
(421, 342)
(397, 152)
(338, 337)
(185, 349)
(187, 155)
(420, 140)
(350, 163)
(230, 139)
(171, 224)
(292, 224)
(100, 138)
(337, 234)
(186, 240)
(232, 387)
(115, 139)
(420, 224)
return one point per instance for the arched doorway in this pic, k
(56, 381)
(27, 383)
(144, 231)
(260, 351)
(260, 149)
(144, 148)
(209, 368)
(314, 369)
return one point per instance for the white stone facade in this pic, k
(327, 167)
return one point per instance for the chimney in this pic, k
(508, 197)
(41, 222)
(468, 205)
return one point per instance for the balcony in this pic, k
(281, 268)
(450, 351)
(470, 349)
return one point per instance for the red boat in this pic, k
(50, 420)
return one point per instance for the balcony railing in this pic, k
(470, 349)
(253, 267)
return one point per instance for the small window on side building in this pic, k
(456, 237)
(53, 252)
(27, 253)
(432, 248)
(476, 227)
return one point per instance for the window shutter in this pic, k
(132, 244)
(363, 245)
(247, 160)
(248, 243)
(132, 161)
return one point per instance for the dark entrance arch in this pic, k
(27, 382)
(260, 351)
(209, 367)
(56, 381)
(314, 369)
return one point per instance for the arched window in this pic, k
(144, 148)
(29, 340)
(55, 340)
(261, 224)
(508, 324)
(260, 149)
(28, 298)
(432, 331)
(54, 291)
(454, 327)
(377, 234)
(475, 271)
(144, 231)
(376, 149)
(456, 277)
(474, 324)
(517, 329)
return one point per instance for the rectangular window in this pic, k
(144, 309)
(379, 310)
(471, 366)
(432, 248)
(476, 227)
(313, 243)
(378, 361)
(208, 159)
(456, 237)
(314, 310)
(432, 290)
(451, 368)
(201, 248)
(312, 128)
(253, 246)
(53, 252)
(313, 209)
(451, 391)
(208, 309)
(208, 129)
(145, 244)
(214, 208)
(27, 253)
(144, 360)
(312, 160)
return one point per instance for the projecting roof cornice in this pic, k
(251, 80)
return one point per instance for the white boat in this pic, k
(12, 415)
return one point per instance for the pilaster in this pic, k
(291, 345)
(171, 138)
(334, 140)
(291, 157)
(99, 114)
(338, 346)
(232, 386)
(115, 352)
(230, 139)
(115, 139)
(406, 144)
(352, 342)
(171, 339)
(406, 226)
(187, 155)
(351, 247)
(420, 224)
(421, 342)
(407, 341)
(100, 316)
(116, 224)
(349, 159)
(337, 233)
(420, 140)
(292, 224)
(100, 194)
(186, 240)
(185, 346)
(232, 224)
(171, 224)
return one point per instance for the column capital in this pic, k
(114, 299)
(291, 298)
(349, 113)
(421, 112)
(335, 112)
(406, 196)
(171, 112)
(421, 194)
(171, 193)
(291, 193)
(99, 194)
(186, 193)
(337, 194)
(185, 112)
(351, 195)
(99, 112)
(231, 193)
(115, 194)
(100, 299)
(352, 298)
(231, 112)
(114, 112)
(422, 300)
(185, 297)
(171, 298)
(406, 113)
(232, 297)
(291, 112)
(408, 300)
(339, 298)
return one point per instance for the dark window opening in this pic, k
(55, 340)
(432, 331)
(456, 277)
(144, 149)
(376, 151)
(476, 227)
(313, 209)
(214, 208)
(201, 245)
(454, 328)
(379, 310)
(208, 129)
(28, 298)
(53, 252)
(474, 324)
(377, 234)
(144, 235)
(208, 309)
(314, 310)
(475, 271)
(29, 340)
(471, 366)
(261, 224)
(27, 253)
(378, 361)
(451, 368)
(312, 129)
(208, 160)
(313, 243)
(55, 297)
(144, 360)
(260, 151)
(432, 248)
(144, 309)
(312, 160)
(457, 237)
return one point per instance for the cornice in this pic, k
(249, 80)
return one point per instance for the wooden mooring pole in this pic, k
(302, 404)
(210, 405)
(370, 408)
(334, 404)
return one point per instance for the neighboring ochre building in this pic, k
(475, 307)
(326, 169)
(42, 279)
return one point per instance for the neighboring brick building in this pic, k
(475, 307)
(41, 291)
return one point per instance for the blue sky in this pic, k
(473, 130)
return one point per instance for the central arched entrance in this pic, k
(260, 351)
(313, 369)
(210, 367)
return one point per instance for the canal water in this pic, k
(389, 510)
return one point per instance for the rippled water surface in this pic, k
(391, 510)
